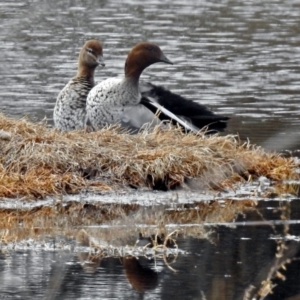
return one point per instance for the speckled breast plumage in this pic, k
(70, 108)
(107, 102)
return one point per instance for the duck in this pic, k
(110, 100)
(70, 107)
(132, 104)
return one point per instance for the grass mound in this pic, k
(37, 161)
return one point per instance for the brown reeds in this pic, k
(37, 161)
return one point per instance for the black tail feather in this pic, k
(197, 114)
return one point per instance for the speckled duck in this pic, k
(70, 108)
(125, 101)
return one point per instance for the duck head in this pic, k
(142, 56)
(90, 56)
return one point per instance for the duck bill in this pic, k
(164, 59)
(101, 61)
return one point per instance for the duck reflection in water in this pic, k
(140, 277)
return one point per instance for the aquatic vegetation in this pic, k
(37, 161)
(123, 222)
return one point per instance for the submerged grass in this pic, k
(123, 220)
(37, 161)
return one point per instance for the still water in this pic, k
(232, 263)
(240, 58)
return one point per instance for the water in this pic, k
(214, 259)
(232, 262)
(240, 58)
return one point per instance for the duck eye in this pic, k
(89, 50)
(149, 49)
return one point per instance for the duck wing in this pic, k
(196, 113)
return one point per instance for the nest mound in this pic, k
(37, 161)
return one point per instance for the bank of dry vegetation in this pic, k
(37, 161)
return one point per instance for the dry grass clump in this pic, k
(37, 161)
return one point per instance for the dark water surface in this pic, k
(240, 58)
(231, 262)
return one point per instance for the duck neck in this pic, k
(86, 72)
(132, 82)
(133, 76)
(133, 69)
